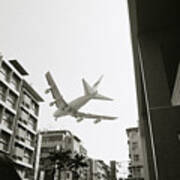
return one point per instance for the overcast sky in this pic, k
(75, 39)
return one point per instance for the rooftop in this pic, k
(132, 129)
(18, 67)
(60, 132)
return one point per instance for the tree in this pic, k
(76, 163)
(60, 159)
(66, 161)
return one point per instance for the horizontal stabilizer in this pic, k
(101, 97)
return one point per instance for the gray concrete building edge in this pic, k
(156, 48)
(142, 108)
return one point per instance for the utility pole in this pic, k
(113, 170)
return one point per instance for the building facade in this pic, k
(53, 141)
(136, 167)
(19, 110)
(98, 170)
(156, 48)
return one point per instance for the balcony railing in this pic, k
(3, 146)
(7, 123)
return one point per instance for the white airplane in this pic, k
(73, 107)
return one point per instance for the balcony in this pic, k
(29, 111)
(4, 141)
(4, 76)
(26, 160)
(21, 156)
(24, 124)
(7, 123)
(3, 146)
(15, 82)
(20, 162)
(2, 96)
(22, 141)
(12, 100)
(5, 129)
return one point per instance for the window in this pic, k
(55, 138)
(18, 152)
(48, 149)
(30, 139)
(7, 119)
(67, 175)
(133, 134)
(4, 141)
(32, 123)
(34, 107)
(11, 100)
(5, 72)
(137, 171)
(21, 133)
(15, 81)
(28, 174)
(134, 145)
(24, 116)
(2, 91)
(136, 157)
(27, 156)
(26, 100)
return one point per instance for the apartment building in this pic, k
(98, 170)
(136, 166)
(54, 140)
(19, 110)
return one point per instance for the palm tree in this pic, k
(76, 163)
(64, 160)
(60, 159)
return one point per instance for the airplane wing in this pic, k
(94, 116)
(59, 100)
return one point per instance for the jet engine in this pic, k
(47, 90)
(52, 103)
(79, 119)
(97, 121)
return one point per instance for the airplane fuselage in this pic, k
(73, 106)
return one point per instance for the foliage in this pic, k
(76, 163)
(61, 158)
(65, 160)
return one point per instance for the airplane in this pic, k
(73, 107)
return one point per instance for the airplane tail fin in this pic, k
(87, 88)
(93, 90)
(98, 82)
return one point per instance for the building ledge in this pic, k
(23, 164)
(30, 112)
(24, 144)
(27, 127)
(7, 130)
(7, 107)
(10, 87)
(18, 67)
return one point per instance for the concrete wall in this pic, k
(155, 40)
